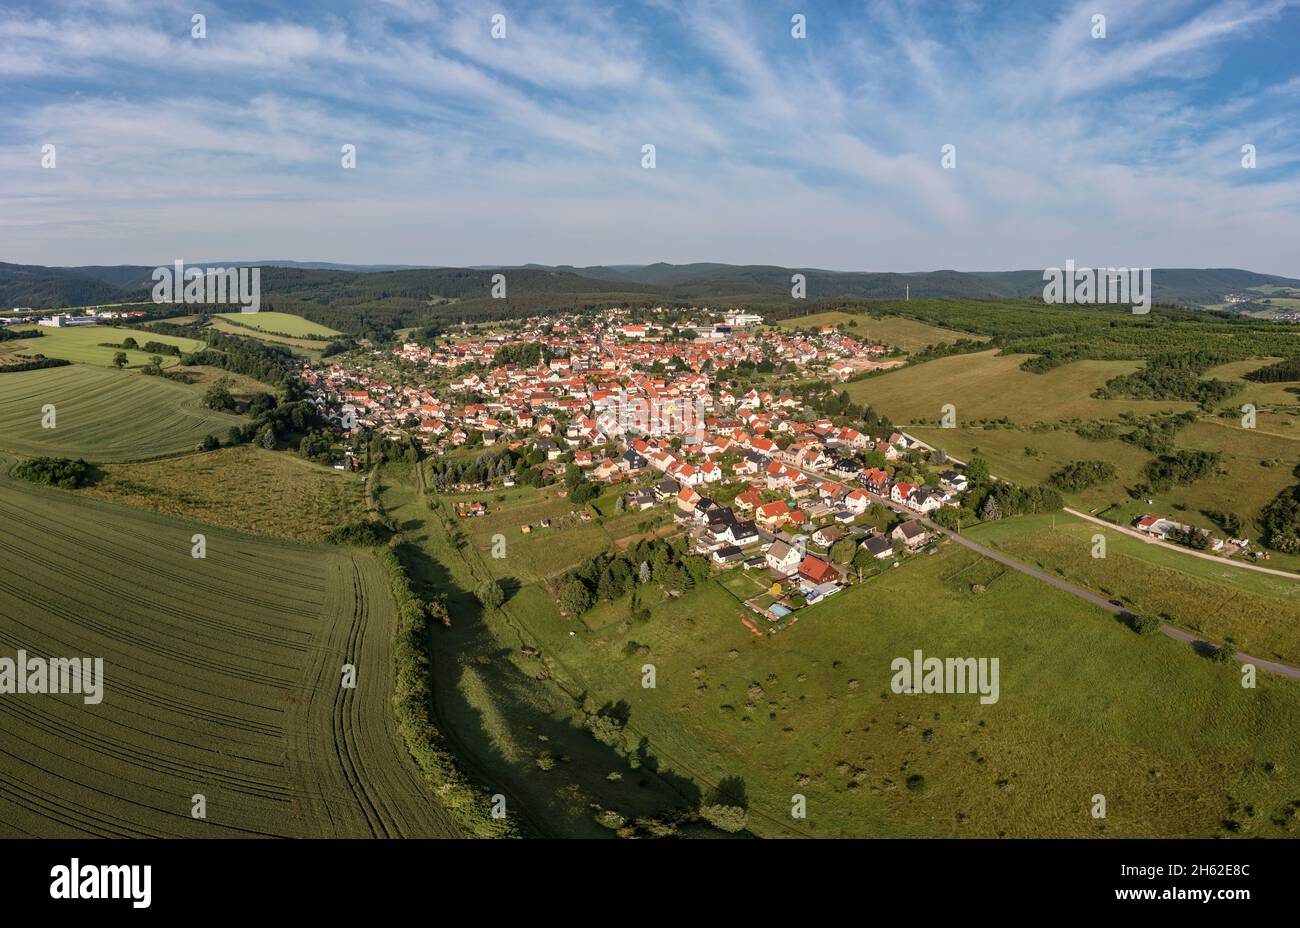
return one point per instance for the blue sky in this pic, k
(820, 152)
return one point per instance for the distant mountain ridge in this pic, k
(58, 287)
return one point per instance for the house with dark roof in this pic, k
(727, 555)
(879, 546)
(666, 487)
(743, 532)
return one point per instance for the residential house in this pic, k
(879, 546)
(773, 514)
(827, 536)
(816, 571)
(783, 559)
(911, 533)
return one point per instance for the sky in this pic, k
(824, 151)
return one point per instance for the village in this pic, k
(754, 479)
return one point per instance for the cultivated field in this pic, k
(898, 331)
(221, 678)
(103, 414)
(84, 345)
(277, 323)
(245, 487)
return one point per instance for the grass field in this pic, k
(103, 414)
(278, 323)
(985, 385)
(221, 678)
(898, 331)
(84, 345)
(1173, 741)
(245, 488)
(545, 552)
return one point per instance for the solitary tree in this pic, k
(977, 471)
(119, 360)
(575, 598)
(491, 594)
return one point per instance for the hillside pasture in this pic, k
(986, 385)
(897, 331)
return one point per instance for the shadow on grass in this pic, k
(518, 733)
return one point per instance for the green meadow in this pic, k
(277, 323)
(1086, 706)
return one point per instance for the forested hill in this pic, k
(360, 300)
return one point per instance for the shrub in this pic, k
(1224, 653)
(1144, 625)
(726, 818)
(491, 594)
(363, 533)
(55, 472)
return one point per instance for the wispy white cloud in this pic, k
(821, 152)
